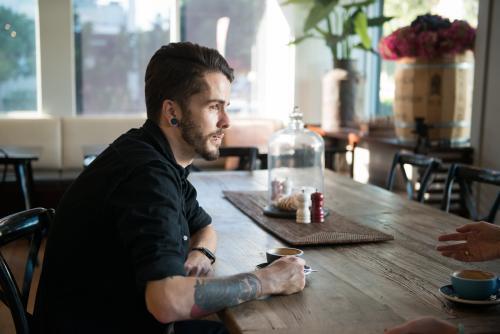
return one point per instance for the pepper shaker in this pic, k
(317, 211)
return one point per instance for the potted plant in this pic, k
(433, 78)
(343, 25)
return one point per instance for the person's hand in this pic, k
(425, 325)
(482, 243)
(285, 275)
(198, 264)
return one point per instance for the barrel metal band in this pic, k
(439, 142)
(462, 66)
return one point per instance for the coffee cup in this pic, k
(474, 284)
(275, 253)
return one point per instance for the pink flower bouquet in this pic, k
(428, 37)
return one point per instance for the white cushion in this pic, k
(62, 143)
(251, 132)
(41, 135)
(82, 133)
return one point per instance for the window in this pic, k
(253, 36)
(114, 40)
(18, 79)
(404, 12)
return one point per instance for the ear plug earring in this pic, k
(174, 121)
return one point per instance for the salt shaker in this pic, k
(303, 214)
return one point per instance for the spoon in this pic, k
(308, 270)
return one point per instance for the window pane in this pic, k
(253, 35)
(18, 55)
(114, 40)
(404, 12)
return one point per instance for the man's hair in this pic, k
(176, 71)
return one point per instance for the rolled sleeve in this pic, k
(149, 225)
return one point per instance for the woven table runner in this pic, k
(336, 229)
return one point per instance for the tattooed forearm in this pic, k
(211, 295)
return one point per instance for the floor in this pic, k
(15, 254)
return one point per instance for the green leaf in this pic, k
(361, 28)
(348, 27)
(361, 46)
(300, 39)
(325, 2)
(323, 33)
(358, 4)
(296, 2)
(378, 21)
(318, 13)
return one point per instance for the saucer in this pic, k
(307, 269)
(272, 211)
(448, 293)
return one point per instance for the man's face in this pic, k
(205, 119)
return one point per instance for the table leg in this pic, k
(24, 177)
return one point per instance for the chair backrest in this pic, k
(465, 176)
(30, 224)
(428, 164)
(331, 152)
(247, 156)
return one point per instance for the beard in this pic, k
(192, 134)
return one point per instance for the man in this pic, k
(130, 248)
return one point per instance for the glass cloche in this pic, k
(296, 164)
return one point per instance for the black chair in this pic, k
(30, 224)
(247, 156)
(465, 175)
(331, 152)
(427, 166)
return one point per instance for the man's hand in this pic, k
(283, 276)
(198, 264)
(425, 325)
(482, 243)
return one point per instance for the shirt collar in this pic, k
(162, 144)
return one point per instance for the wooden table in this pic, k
(22, 166)
(361, 288)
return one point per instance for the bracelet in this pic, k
(461, 329)
(206, 252)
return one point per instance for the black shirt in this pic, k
(126, 220)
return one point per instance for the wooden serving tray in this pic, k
(336, 229)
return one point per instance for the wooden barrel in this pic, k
(438, 91)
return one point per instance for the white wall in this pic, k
(485, 136)
(273, 69)
(486, 117)
(312, 61)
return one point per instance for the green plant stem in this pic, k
(347, 49)
(338, 30)
(345, 46)
(333, 48)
